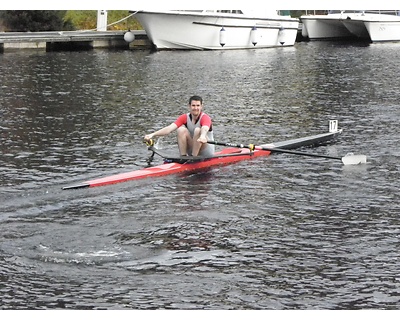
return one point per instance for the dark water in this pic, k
(284, 232)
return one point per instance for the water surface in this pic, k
(283, 232)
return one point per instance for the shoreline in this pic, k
(72, 40)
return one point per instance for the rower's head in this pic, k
(195, 105)
(195, 99)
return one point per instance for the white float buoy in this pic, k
(281, 36)
(222, 37)
(129, 36)
(254, 35)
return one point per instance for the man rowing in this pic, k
(194, 129)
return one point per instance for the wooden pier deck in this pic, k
(71, 40)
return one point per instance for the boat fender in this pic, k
(304, 31)
(281, 35)
(222, 37)
(254, 36)
(129, 36)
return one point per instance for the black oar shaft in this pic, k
(273, 149)
(299, 153)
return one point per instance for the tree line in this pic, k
(57, 20)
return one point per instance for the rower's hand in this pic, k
(148, 140)
(147, 137)
(202, 140)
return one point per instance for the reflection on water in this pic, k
(284, 232)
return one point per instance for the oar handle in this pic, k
(149, 142)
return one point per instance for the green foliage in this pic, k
(53, 20)
(130, 23)
(87, 20)
(82, 20)
(34, 20)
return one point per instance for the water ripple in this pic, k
(269, 233)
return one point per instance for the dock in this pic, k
(79, 40)
(72, 40)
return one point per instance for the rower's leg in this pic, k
(197, 146)
(185, 143)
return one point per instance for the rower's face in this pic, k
(195, 107)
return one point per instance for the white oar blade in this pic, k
(354, 159)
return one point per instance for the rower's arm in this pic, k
(162, 132)
(203, 131)
(203, 134)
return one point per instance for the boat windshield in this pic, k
(225, 11)
(391, 12)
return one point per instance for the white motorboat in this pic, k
(374, 26)
(325, 26)
(218, 29)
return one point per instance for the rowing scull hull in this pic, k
(224, 157)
